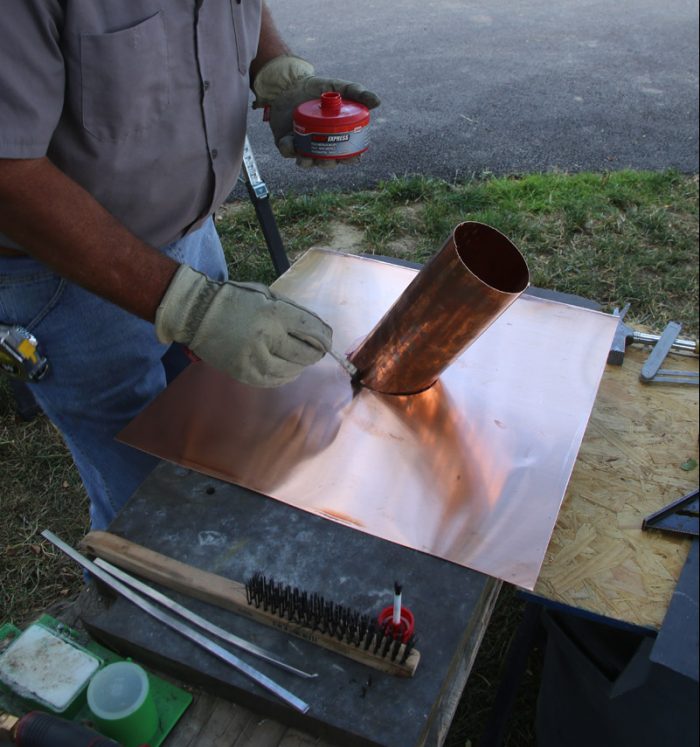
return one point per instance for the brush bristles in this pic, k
(318, 614)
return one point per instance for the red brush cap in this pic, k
(404, 629)
(330, 113)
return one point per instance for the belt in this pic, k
(5, 251)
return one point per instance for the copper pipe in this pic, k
(457, 295)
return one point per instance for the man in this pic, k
(121, 132)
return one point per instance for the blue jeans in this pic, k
(105, 365)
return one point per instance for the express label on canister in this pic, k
(330, 127)
(332, 145)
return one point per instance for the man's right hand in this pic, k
(243, 329)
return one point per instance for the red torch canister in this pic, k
(331, 128)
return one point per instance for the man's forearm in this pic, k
(60, 224)
(270, 45)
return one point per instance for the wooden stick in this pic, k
(230, 595)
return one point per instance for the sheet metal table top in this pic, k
(473, 470)
(234, 532)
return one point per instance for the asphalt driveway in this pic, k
(502, 86)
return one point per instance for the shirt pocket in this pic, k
(246, 27)
(125, 79)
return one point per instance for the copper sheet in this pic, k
(459, 293)
(472, 470)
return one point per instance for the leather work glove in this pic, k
(243, 329)
(285, 82)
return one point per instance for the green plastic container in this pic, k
(121, 704)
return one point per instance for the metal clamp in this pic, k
(651, 370)
(251, 173)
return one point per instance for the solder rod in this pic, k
(198, 620)
(177, 626)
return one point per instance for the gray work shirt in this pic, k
(141, 102)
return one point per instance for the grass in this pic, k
(40, 489)
(617, 238)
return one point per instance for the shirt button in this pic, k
(244, 69)
(206, 85)
(214, 152)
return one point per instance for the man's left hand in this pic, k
(287, 81)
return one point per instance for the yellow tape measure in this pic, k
(19, 354)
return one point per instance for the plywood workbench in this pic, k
(630, 465)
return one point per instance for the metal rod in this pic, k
(344, 362)
(198, 620)
(459, 293)
(646, 338)
(187, 632)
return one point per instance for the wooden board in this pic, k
(629, 465)
(214, 721)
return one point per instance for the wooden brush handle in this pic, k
(227, 594)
